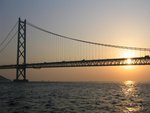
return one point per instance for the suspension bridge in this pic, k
(68, 52)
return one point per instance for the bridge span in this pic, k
(84, 63)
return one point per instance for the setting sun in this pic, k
(129, 61)
(129, 55)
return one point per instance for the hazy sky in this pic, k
(121, 22)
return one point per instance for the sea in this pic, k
(75, 97)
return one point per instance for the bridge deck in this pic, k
(84, 63)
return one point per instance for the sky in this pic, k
(119, 22)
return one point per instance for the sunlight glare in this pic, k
(129, 61)
(128, 54)
(129, 82)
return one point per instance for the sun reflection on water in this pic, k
(131, 94)
(129, 88)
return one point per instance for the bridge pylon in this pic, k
(21, 52)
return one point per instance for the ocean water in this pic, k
(75, 97)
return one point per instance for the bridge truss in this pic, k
(84, 63)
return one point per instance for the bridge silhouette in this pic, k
(21, 64)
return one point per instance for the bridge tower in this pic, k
(21, 52)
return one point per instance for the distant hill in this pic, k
(3, 79)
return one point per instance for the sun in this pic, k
(129, 61)
(128, 55)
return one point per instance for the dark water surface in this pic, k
(77, 97)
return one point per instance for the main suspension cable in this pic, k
(89, 42)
